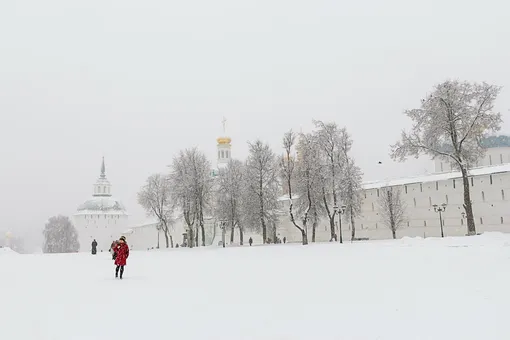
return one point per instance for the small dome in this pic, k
(224, 140)
(102, 204)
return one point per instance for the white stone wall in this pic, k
(493, 156)
(491, 204)
(103, 227)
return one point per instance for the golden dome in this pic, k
(224, 140)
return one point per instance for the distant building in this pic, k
(101, 217)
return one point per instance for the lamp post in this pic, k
(223, 224)
(340, 211)
(440, 209)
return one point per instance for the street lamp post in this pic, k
(340, 211)
(440, 209)
(223, 224)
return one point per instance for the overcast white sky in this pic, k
(136, 81)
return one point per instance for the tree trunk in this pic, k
(171, 241)
(166, 237)
(203, 234)
(241, 236)
(468, 207)
(394, 232)
(353, 226)
(196, 237)
(332, 227)
(274, 232)
(191, 238)
(304, 236)
(314, 225)
(232, 235)
(264, 230)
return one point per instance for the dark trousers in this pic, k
(121, 268)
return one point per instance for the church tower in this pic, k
(102, 188)
(224, 148)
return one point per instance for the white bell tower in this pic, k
(224, 148)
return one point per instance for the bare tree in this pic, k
(192, 184)
(229, 198)
(330, 139)
(263, 187)
(350, 183)
(155, 198)
(449, 125)
(392, 209)
(288, 171)
(60, 236)
(183, 193)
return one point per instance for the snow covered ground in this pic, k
(455, 288)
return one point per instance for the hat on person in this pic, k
(123, 238)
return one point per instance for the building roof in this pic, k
(486, 170)
(102, 205)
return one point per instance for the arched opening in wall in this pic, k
(490, 179)
(446, 197)
(481, 220)
(430, 201)
(501, 158)
(441, 166)
(503, 194)
(414, 200)
(501, 219)
(219, 154)
(405, 188)
(421, 187)
(454, 184)
(461, 221)
(490, 160)
(408, 223)
(376, 225)
(425, 223)
(437, 185)
(222, 154)
(372, 206)
(472, 182)
(483, 196)
(377, 192)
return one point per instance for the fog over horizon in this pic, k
(137, 81)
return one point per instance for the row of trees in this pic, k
(317, 172)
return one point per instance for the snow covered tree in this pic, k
(262, 186)
(192, 188)
(60, 236)
(289, 171)
(331, 139)
(449, 125)
(392, 209)
(229, 197)
(155, 198)
(350, 182)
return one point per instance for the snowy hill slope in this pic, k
(456, 288)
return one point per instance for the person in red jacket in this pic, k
(122, 252)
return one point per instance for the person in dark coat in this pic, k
(94, 247)
(250, 241)
(112, 249)
(122, 251)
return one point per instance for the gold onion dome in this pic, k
(224, 140)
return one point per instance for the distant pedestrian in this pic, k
(122, 251)
(284, 239)
(94, 247)
(113, 246)
(250, 241)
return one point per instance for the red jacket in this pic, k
(122, 250)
